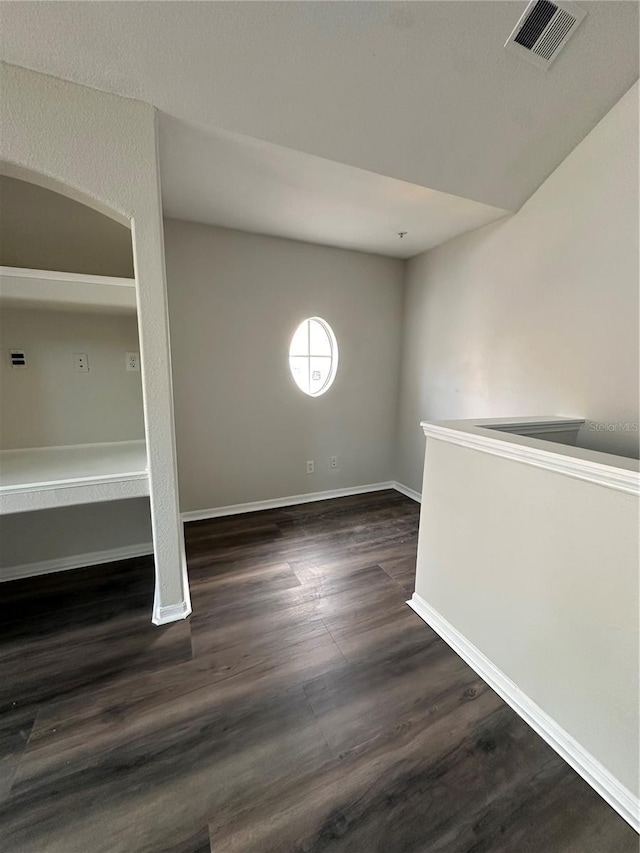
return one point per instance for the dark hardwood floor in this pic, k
(302, 707)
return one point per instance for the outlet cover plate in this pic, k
(81, 362)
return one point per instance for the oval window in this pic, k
(313, 356)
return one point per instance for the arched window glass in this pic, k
(313, 356)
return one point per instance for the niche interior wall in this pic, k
(101, 150)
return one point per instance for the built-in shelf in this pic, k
(65, 291)
(46, 477)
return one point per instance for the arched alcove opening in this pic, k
(46, 230)
(70, 381)
(101, 150)
(68, 190)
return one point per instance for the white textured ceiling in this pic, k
(239, 182)
(422, 92)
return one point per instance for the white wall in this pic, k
(244, 430)
(31, 538)
(50, 403)
(539, 571)
(538, 313)
(101, 150)
(43, 230)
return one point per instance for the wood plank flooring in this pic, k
(302, 707)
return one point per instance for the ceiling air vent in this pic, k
(543, 30)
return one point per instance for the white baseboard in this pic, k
(405, 490)
(170, 613)
(94, 558)
(592, 771)
(277, 503)
(76, 561)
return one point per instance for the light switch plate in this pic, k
(18, 359)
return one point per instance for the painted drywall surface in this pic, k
(226, 179)
(537, 313)
(50, 403)
(102, 150)
(557, 612)
(43, 230)
(245, 431)
(35, 537)
(424, 92)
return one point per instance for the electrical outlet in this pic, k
(133, 362)
(333, 462)
(81, 362)
(310, 466)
